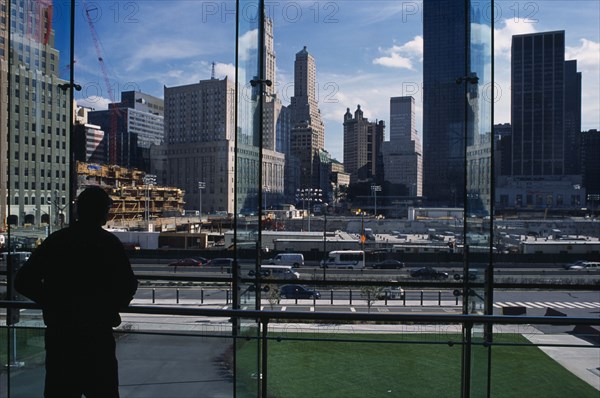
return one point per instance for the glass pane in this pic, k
(479, 90)
(250, 83)
(36, 55)
(36, 167)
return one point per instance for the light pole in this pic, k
(375, 189)
(267, 189)
(201, 186)
(324, 240)
(149, 179)
(309, 195)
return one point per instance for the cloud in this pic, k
(161, 50)
(503, 36)
(248, 43)
(222, 70)
(402, 56)
(587, 54)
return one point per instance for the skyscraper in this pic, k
(542, 167)
(538, 104)
(444, 53)
(402, 154)
(308, 131)
(35, 126)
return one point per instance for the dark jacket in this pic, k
(80, 276)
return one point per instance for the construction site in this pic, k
(138, 201)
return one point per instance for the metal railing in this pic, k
(266, 321)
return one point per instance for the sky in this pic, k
(365, 51)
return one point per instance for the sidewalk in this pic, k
(582, 362)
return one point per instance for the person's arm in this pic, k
(29, 280)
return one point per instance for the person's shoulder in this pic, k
(109, 236)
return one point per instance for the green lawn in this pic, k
(30, 344)
(368, 370)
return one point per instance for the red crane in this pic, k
(112, 134)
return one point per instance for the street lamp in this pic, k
(58, 209)
(201, 186)
(149, 179)
(309, 195)
(267, 189)
(375, 189)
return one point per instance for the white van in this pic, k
(293, 259)
(285, 272)
(351, 259)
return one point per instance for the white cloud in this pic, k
(162, 50)
(248, 43)
(222, 70)
(587, 55)
(402, 56)
(503, 36)
(394, 61)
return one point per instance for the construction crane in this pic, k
(114, 111)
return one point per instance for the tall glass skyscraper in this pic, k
(444, 53)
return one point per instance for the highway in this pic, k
(545, 272)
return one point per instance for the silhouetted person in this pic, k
(81, 277)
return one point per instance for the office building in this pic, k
(139, 121)
(37, 118)
(199, 143)
(90, 142)
(362, 147)
(542, 166)
(590, 165)
(403, 154)
(444, 51)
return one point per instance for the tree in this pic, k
(370, 294)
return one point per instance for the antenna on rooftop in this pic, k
(212, 74)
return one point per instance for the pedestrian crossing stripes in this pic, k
(548, 304)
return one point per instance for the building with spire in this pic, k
(307, 137)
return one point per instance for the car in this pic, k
(297, 292)
(223, 262)
(428, 273)
(391, 293)
(580, 265)
(186, 262)
(388, 264)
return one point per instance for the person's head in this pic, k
(93, 204)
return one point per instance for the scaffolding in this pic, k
(132, 198)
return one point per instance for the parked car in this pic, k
(388, 264)
(297, 292)
(428, 273)
(186, 262)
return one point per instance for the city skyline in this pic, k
(385, 60)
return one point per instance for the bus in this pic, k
(351, 259)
